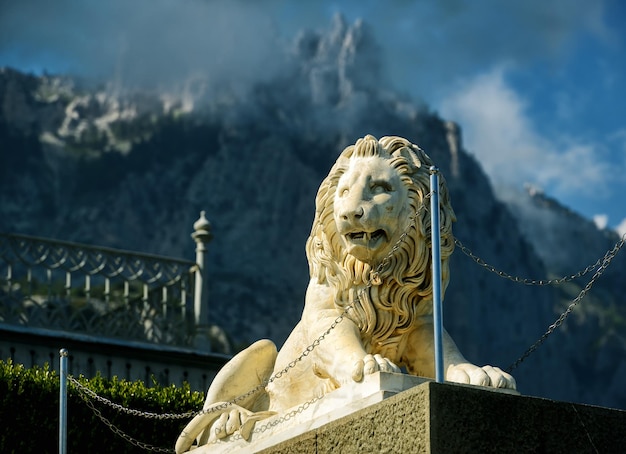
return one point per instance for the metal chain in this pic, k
(307, 351)
(282, 419)
(559, 321)
(525, 281)
(287, 416)
(85, 392)
(144, 414)
(374, 275)
(119, 432)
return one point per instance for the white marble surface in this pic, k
(346, 400)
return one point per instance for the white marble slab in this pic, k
(346, 400)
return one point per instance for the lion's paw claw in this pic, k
(491, 376)
(371, 364)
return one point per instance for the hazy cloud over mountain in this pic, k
(429, 43)
(535, 85)
(142, 43)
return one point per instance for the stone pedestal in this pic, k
(396, 413)
(448, 418)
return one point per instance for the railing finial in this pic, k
(201, 235)
(202, 228)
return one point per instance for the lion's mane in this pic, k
(386, 307)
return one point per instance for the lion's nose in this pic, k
(350, 214)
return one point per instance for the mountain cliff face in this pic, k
(134, 170)
(596, 329)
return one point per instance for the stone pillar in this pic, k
(201, 235)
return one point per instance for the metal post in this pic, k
(63, 353)
(201, 235)
(436, 255)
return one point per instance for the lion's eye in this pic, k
(343, 192)
(381, 187)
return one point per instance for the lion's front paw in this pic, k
(370, 364)
(481, 376)
(216, 422)
(228, 423)
(236, 420)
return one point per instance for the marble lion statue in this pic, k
(368, 305)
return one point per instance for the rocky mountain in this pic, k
(133, 170)
(568, 243)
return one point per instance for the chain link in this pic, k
(526, 281)
(88, 392)
(115, 429)
(85, 393)
(282, 419)
(375, 275)
(287, 416)
(307, 351)
(559, 321)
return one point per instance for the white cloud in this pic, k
(494, 126)
(601, 221)
(621, 227)
(498, 130)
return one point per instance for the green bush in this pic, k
(29, 405)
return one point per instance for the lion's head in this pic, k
(370, 217)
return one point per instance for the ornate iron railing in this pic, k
(99, 291)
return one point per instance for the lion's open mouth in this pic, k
(369, 239)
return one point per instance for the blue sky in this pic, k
(538, 86)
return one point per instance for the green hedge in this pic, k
(29, 405)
